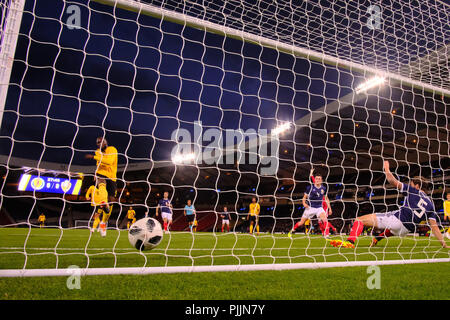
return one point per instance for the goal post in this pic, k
(217, 104)
(82, 224)
(11, 19)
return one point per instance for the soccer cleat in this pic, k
(290, 234)
(374, 242)
(103, 229)
(348, 244)
(340, 243)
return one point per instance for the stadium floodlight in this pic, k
(281, 128)
(183, 158)
(371, 83)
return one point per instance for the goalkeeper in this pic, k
(106, 157)
(417, 207)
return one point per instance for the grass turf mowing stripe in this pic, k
(420, 281)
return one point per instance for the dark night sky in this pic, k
(137, 83)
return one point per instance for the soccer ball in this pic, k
(145, 234)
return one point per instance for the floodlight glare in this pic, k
(281, 128)
(373, 82)
(183, 158)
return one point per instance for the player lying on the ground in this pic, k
(99, 200)
(312, 201)
(417, 207)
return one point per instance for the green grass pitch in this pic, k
(51, 248)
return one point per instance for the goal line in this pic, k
(218, 268)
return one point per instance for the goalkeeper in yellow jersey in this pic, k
(98, 196)
(41, 220)
(106, 157)
(253, 215)
(131, 216)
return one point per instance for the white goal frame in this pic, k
(82, 227)
(8, 46)
(147, 9)
(7, 55)
(213, 268)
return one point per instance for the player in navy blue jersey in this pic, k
(417, 207)
(166, 211)
(225, 215)
(312, 201)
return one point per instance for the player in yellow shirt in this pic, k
(131, 216)
(307, 225)
(98, 196)
(194, 225)
(41, 220)
(447, 213)
(253, 215)
(106, 157)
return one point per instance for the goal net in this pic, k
(219, 102)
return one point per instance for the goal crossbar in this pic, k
(151, 10)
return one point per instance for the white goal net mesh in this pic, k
(219, 102)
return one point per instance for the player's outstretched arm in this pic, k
(89, 193)
(390, 177)
(327, 200)
(305, 196)
(437, 233)
(105, 158)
